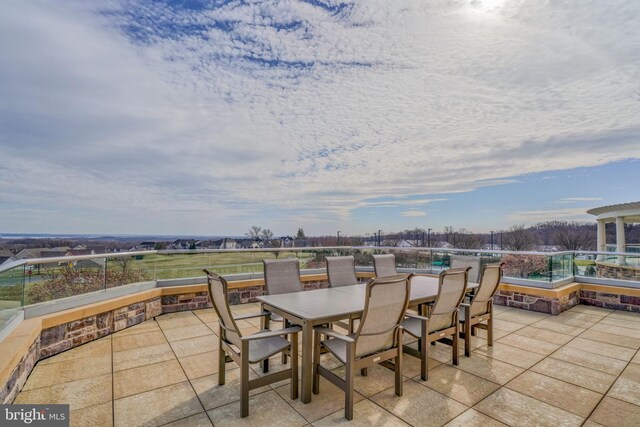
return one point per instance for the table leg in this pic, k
(264, 323)
(307, 361)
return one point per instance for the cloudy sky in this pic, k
(176, 117)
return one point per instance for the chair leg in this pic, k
(398, 371)
(473, 331)
(316, 363)
(456, 349)
(348, 390)
(244, 382)
(285, 324)
(490, 331)
(467, 338)
(294, 366)
(222, 362)
(364, 372)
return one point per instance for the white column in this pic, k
(602, 239)
(620, 241)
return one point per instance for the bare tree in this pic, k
(571, 238)
(467, 240)
(254, 232)
(519, 238)
(267, 236)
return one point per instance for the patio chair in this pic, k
(252, 348)
(480, 307)
(377, 340)
(441, 320)
(281, 276)
(461, 261)
(384, 265)
(341, 271)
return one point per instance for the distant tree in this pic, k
(254, 232)
(519, 238)
(467, 240)
(267, 236)
(570, 237)
(300, 234)
(524, 266)
(159, 246)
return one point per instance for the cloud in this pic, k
(413, 213)
(535, 216)
(579, 199)
(172, 117)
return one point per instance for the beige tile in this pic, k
(555, 326)
(156, 407)
(264, 408)
(506, 325)
(590, 423)
(615, 413)
(627, 386)
(590, 360)
(459, 385)
(489, 369)
(95, 348)
(142, 356)
(140, 328)
(131, 341)
(604, 349)
(419, 405)
(96, 416)
(473, 418)
(441, 352)
(516, 409)
(530, 344)
(625, 323)
(147, 377)
(200, 365)
(329, 400)
(178, 320)
(411, 366)
(551, 391)
(581, 320)
(624, 315)
(609, 338)
(197, 345)
(636, 358)
(523, 317)
(377, 380)
(589, 309)
(544, 335)
(618, 330)
(584, 377)
(197, 420)
(213, 395)
(365, 414)
(506, 353)
(78, 394)
(186, 332)
(501, 308)
(207, 315)
(68, 370)
(497, 333)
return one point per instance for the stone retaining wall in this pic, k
(536, 302)
(610, 300)
(609, 271)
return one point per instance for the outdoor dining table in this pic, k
(321, 306)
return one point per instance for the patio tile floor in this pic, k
(579, 368)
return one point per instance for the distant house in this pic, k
(186, 244)
(248, 244)
(300, 243)
(546, 248)
(76, 252)
(30, 253)
(146, 246)
(445, 245)
(224, 243)
(405, 244)
(6, 256)
(286, 242)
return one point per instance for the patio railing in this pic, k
(32, 282)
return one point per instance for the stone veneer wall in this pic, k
(536, 302)
(609, 300)
(19, 376)
(609, 271)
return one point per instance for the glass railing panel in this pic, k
(605, 266)
(11, 293)
(528, 266)
(124, 270)
(63, 278)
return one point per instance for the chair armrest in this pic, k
(331, 333)
(271, 334)
(416, 316)
(252, 315)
